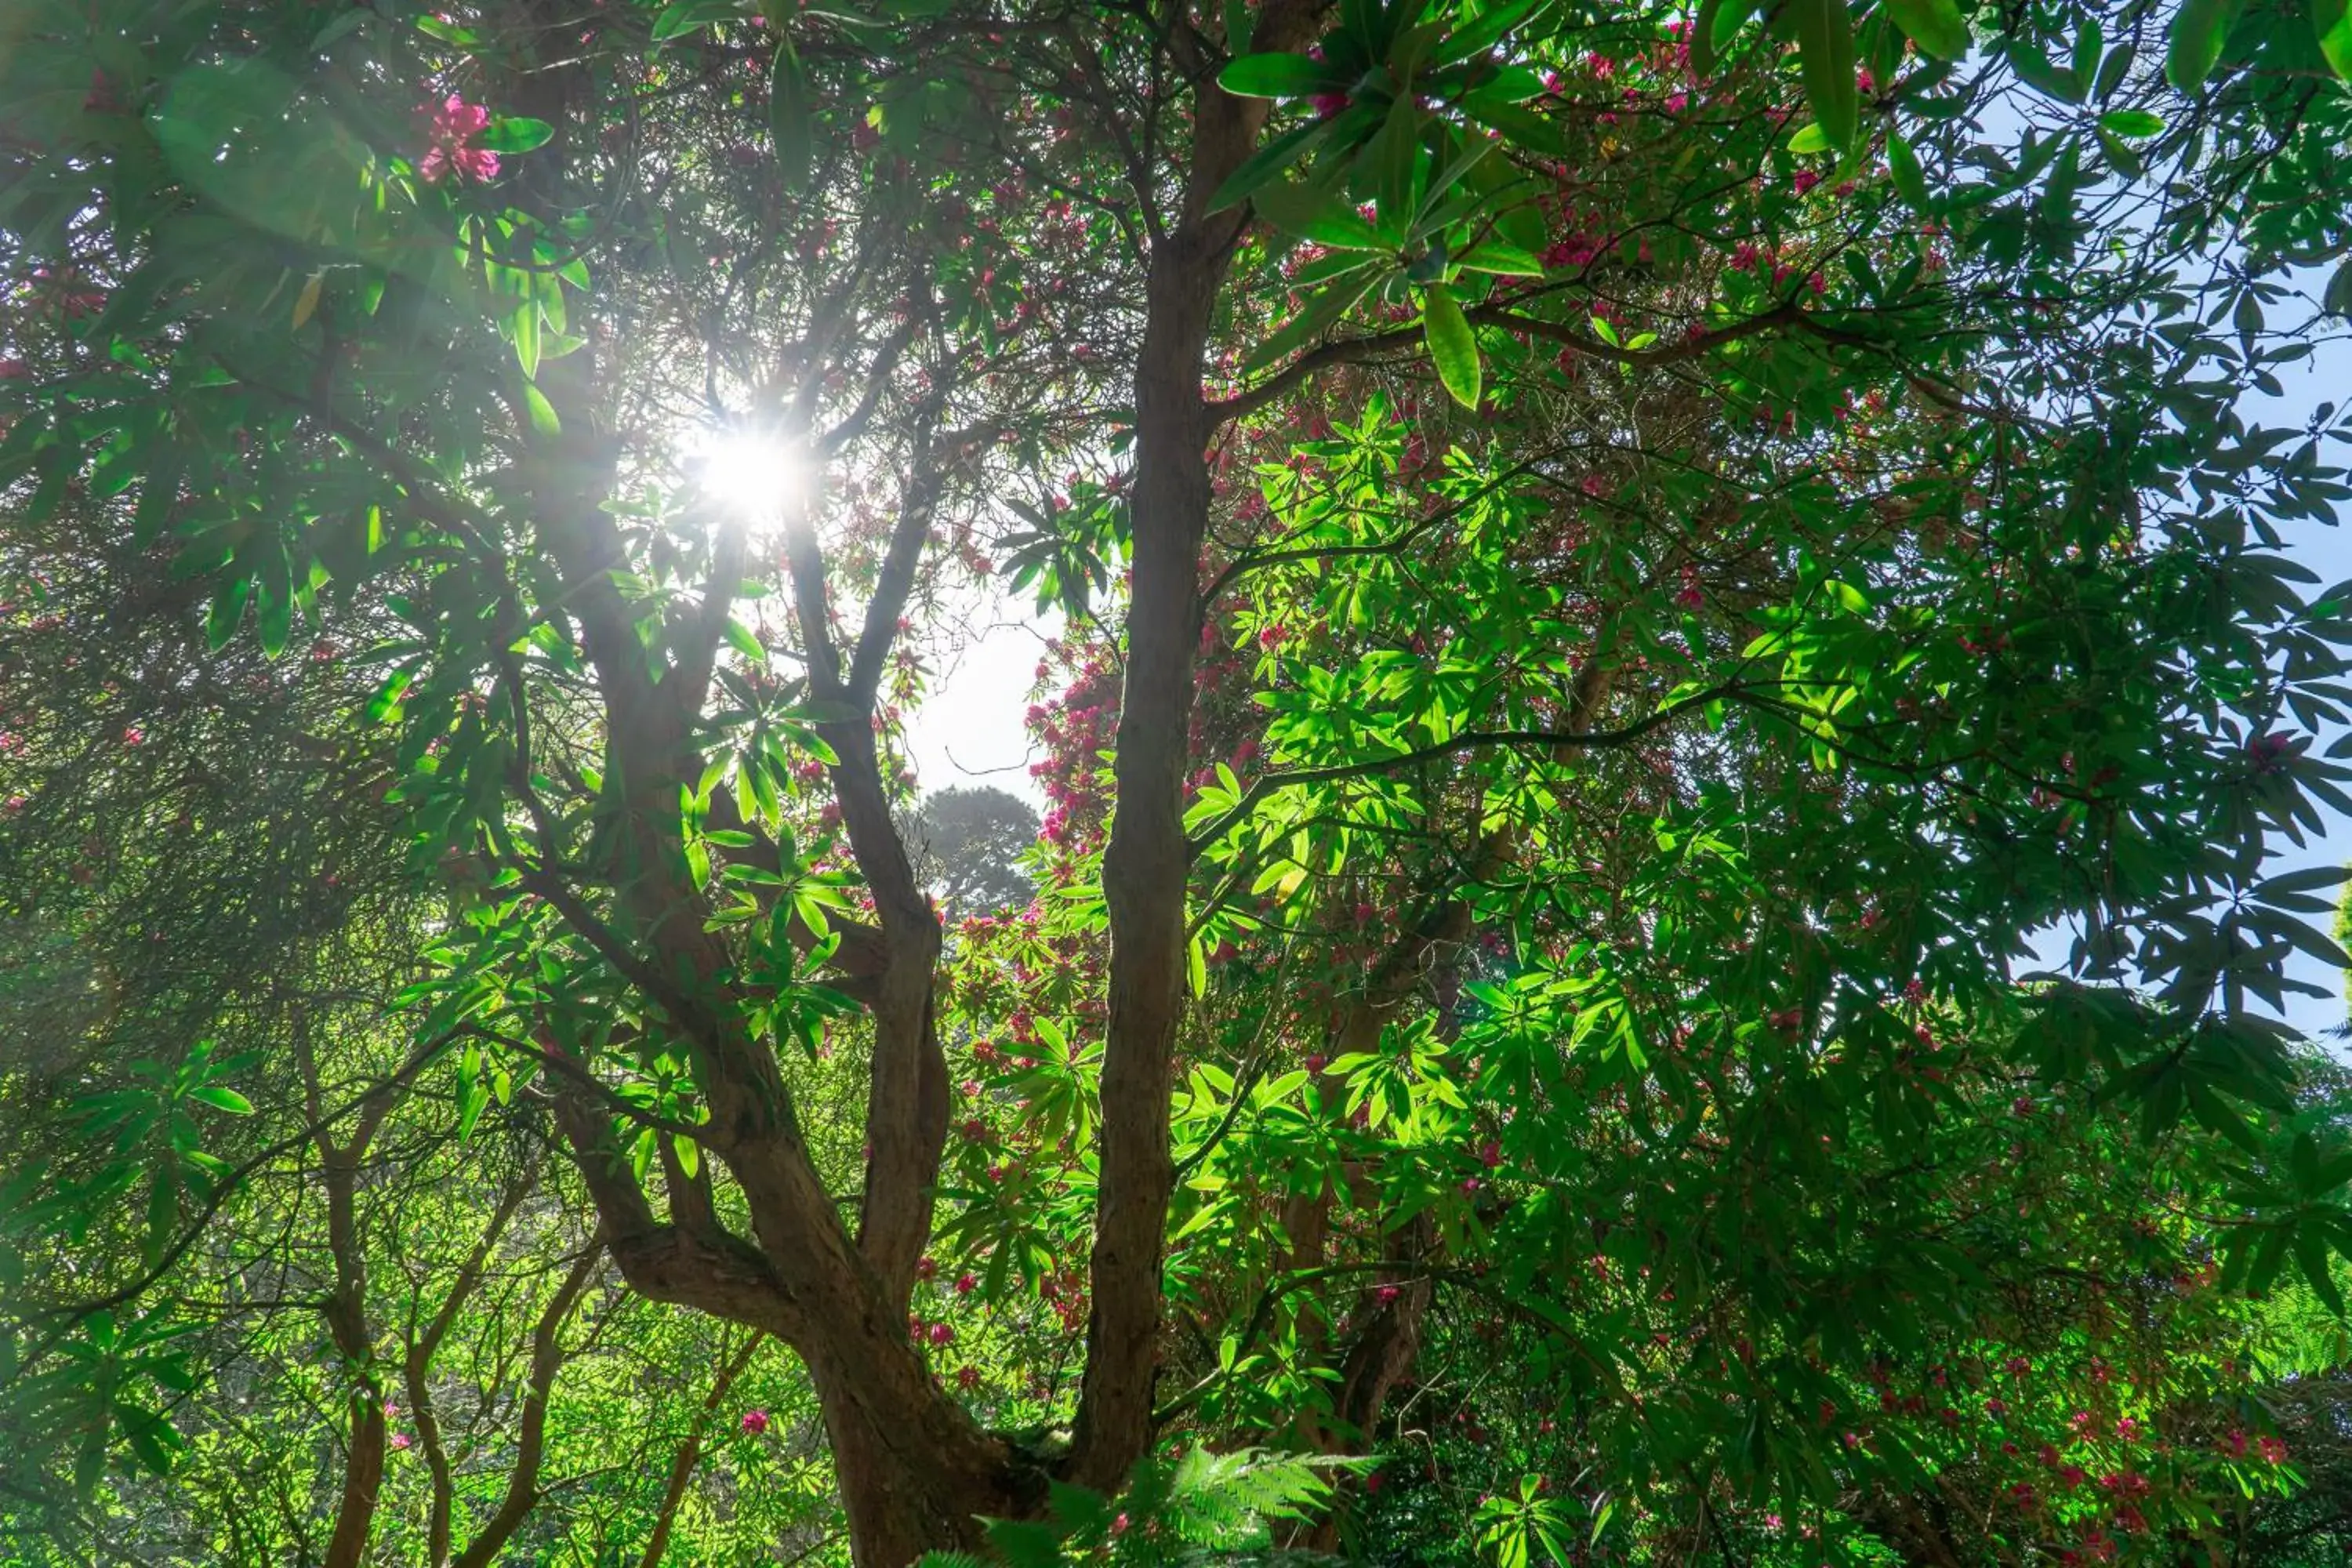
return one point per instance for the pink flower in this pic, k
(2126, 1428)
(965, 1285)
(401, 1440)
(1744, 257)
(455, 123)
(2274, 1451)
(1805, 179)
(755, 1421)
(134, 735)
(943, 1333)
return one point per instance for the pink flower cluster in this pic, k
(455, 123)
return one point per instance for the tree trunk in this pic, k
(898, 1506)
(1147, 864)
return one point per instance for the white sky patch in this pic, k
(971, 728)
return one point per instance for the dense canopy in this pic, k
(1673, 698)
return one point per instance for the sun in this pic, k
(752, 474)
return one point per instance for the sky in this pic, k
(971, 728)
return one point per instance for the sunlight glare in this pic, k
(751, 473)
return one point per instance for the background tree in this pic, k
(969, 844)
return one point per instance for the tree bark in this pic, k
(1146, 863)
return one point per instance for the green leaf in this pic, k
(1910, 179)
(227, 610)
(1266, 162)
(2332, 20)
(542, 412)
(688, 15)
(152, 1438)
(2034, 69)
(792, 119)
(2194, 46)
(221, 1099)
(2084, 61)
(1715, 18)
(1451, 344)
(1323, 216)
(2310, 1253)
(515, 133)
(1500, 260)
(1935, 26)
(1825, 56)
(1809, 138)
(525, 324)
(2131, 123)
(1278, 76)
(2338, 298)
(273, 618)
(2112, 70)
(1334, 301)
(741, 639)
(1478, 37)
(1392, 156)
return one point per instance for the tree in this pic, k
(1610, 626)
(969, 844)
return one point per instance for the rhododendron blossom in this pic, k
(454, 124)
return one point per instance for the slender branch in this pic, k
(1348, 350)
(171, 1255)
(1467, 739)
